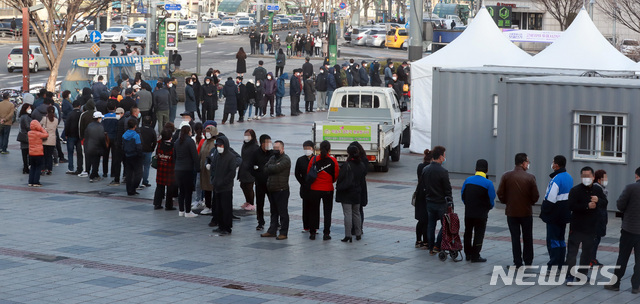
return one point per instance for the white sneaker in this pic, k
(180, 213)
(249, 119)
(83, 174)
(255, 117)
(205, 211)
(190, 214)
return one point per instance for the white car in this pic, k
(229, 28)
(115, 33)
(36, 59)
(81, 35)
(184, 23)
(190, 31)
(213, 30)
(630, 47)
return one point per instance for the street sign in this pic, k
(95, 36)
(343, 5)
(172, 7)
(273, 8)
(95, 48)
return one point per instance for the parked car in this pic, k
(376, 37)
(115, 33)
(229, 28)
(359, 38)
(297, 21)
(78, 34)
(6, 31)
(286, 23)
(213, 30)
(630, 47)
(190, 31)
(216, 22)
(137, 36)
(139, 24)
(184, 23)
(36, 59)
(347, 36)
(245, 25)
(396, 38)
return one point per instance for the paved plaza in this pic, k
(72, 241)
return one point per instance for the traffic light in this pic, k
(323, 17)
(172, 34)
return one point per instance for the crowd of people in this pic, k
(582, 206)
(313, 44)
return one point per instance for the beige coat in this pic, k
(205, 178)
(50, 127)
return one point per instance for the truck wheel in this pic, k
(395, 153)
(384, 166)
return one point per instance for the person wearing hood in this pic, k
(259, 104)
(94, 145)
(374, 74)
(187, 165)
(251, 99)
(321, 88)
(249, 150)
(190, 103)
(132, 150)
(331, 86)
(230, 92)
(281, 60)
(165, 176)
(355, 74)
(295, 89)
(555, 211)
(278, 170)
(209, 143)
(280, 92)
(50, 124)
(210, 99)
(242, 97)
(24, 127)
(270, 91)
(37, 135)
(222, 181)
(41, 111)
(364, 76)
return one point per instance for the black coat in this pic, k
(209, 94)
(226, 165)
(421, 202)
(241, 66)
(435, 180)
(248, 151)
(375, 75)
(197, 91)
(94, 139)
(243, 98)
(230, 91)
(352, 173)
(583, 219)
(300, 173)
(307, 70)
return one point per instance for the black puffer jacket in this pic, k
(351, 182)
(249, 150)
(436, 183)
(225, 171)
(278, 169)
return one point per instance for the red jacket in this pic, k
(37, 135)
(328, 171)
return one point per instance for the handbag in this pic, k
(23, 137)
(313, 173)
(345, 181)
(154, 162)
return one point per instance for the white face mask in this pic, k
(207, 135)
(118, 116)
(321, 71)
(587, 181)
(308, 152)
(552, 166)
(104, 82)
(207, 82)
(29, 111)
(247, 139)
(139, 114)
(170, 84)
(269, 147)
(220, 150)
(605, 183)
(394, 78)
(268, 77)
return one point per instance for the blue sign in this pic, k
(273, 7)
(95, 37)
(343, 5)
(172, 7)
(406, 25)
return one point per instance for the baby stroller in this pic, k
(451, 243)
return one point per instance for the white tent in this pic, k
(482, 43)
(583, 47)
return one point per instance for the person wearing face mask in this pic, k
(396, 84)
(277, 169)
(173, 97)
(518, 191)
(242, 97)
(210, 102)
(355, 74)
(260, 105)
(250, 88)
(250, 148)
(73, 138)
(364, 75)
(258, 162)
(478, 195)
(94, 146)
(437, 186)
(300, 172)
(222, 181)
(209, 143)
(281, 60)
(110, 125)
(289, 41)
(321, 88)
(555, 210)
(189, 97)
(583, 201)
(149, 139)
(600, 179)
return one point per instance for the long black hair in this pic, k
(24, 109)
(325, 147)
(184, 133)
(252, 133)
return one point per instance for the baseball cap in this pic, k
(119, 111)
(97, 114)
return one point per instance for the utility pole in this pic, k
(615, 17)
(150, 23)
(25, 49)
(415, 30)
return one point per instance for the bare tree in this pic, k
(366, 4)
(564, 11)
(58, 26)
(627, 12)
(306, 8)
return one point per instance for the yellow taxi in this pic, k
(396, 38)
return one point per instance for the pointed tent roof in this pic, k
(582, 46)
(482, 43)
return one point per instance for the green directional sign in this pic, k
(162, 37)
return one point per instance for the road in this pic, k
(217, 52)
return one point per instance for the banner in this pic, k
(346, 133)
(532, 36)
(93, 63)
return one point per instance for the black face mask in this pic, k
(276, 153)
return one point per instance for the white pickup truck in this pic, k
(369, 115)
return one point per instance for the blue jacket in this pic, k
(189, 99)
(131, 143)
(478, 195)
(110, 124)
(331, 80)
(280, 91)
(555, 207)
(364, 78)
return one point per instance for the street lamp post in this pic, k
(591, 3)
(615, 17)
